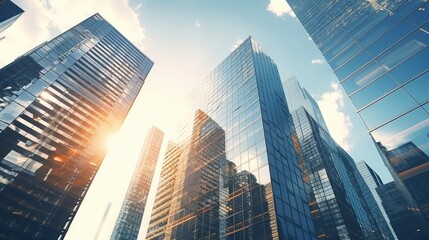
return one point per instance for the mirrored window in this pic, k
(387, 108)
(371, 92)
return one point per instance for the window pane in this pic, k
(9, 113)
(418, 88)
(363, 77)
(25, 99)
(373, 91)
(405, 137)
(387, 108)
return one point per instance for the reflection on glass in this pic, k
(231, 175)
(53, 121)
(387, 108)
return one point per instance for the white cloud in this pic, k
(197, 24)
(280, 8)
(317, 61)
(45, 19)
(339, 124)
(236, 44)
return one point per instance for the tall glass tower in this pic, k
(298, 97)
(58, 104)
(130, 216)
(405, 221)
(237, 175)
(341, 203)
(9, 13)
(378, 50)
(373, 181)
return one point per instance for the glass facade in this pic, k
(378, 50)
(9, 13)
(233, 171)
(341, 204)
(298, 97)
(373, 181)
(407, 223)
(130, 216)
(58, 105)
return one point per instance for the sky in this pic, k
(186, 39)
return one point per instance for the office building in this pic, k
(130, 216)
(9, 13)
(341, 204)
(378, 50)
(59, 103)
(405, 221)
(373, 181)
(298, 97)
(238, 175)
(164, 195)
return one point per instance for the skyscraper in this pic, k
(342, 206)
(161, 208)
(58, 105)
(378, 50)
(405, 221)
(298, 97)
(9, 13)
(238, 176)
(373, 181)
(130, 216)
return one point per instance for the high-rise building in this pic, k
(130, 216)
(9, 13)
(59, 103)
(235, 166)
(164, 195)
(373, 181)
(405, 221)
(378, 50)
(298, 97)
(341, 204)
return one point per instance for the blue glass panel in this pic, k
(387, 108)
(37, 87)
(344, 56)
(418, 88)
(358, 61)
(390, 38)
(363, 77)
(376, 89)
(412, 67)
(10, 112)
(405, 49)
(410, 128)
(25, 99)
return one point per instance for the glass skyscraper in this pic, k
(341, 204)
(130, 216)
(407, 223)
(298, 97)
(58, 104)
(373, 181)
(378, 50)
(9, 13)
(233, 171)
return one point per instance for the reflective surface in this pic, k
(378, 50)
(373, 181)
(58, 105)
(130, 216)
(343, 207)
(233, 172)
(341, 204)
(298, 97)
(9, 13)
(405, 220)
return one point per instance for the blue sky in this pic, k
(187, 39)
